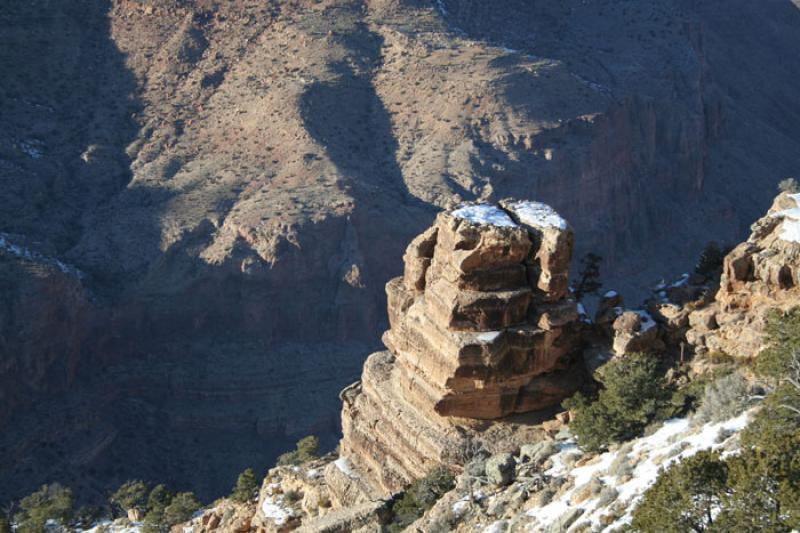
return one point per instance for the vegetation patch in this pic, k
(307, 449)
(246, 487)
(757, 489)
(724, 398)
(634, 394)
(419, 498)
(50, 502)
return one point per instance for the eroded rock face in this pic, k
(491, 313)
(760, 274)
(481, 325)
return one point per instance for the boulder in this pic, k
(537, 453)
(547, 263)
(635, 331)
(703, 320)
(500, 468)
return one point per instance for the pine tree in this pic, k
(181, 508)
(306, 449)
(130, 495)
(50, 502)
(709, 264)
(246, 487)
(684, 497)
(158, 500)
(634, 394)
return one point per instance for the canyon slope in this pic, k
(203, 201)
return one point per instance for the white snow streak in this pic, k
(30, 255)
(674, 441)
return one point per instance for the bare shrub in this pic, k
(723, 398)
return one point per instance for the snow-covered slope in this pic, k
(575, 491)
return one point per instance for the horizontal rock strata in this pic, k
(481, 327)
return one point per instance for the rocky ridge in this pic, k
(760, 275)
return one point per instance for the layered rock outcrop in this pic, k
(481, 327)
(759, 275)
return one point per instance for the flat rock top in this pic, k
(485, 214)
(536, 214)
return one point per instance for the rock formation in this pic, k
(759, 275)
(635, 331)
(481, 328)
(222, 171)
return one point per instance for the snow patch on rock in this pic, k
(33, 148)
(273, 506)
(483, 214)
(488, 336)
(790, 231)
(538, 215)
(107, 526)
(344, 466)
(501, 526)
(647, 321)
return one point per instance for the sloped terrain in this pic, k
(236, 180)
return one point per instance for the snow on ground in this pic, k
(484, 214)
(790, 231)
(583, 314)
(610, 294)
(538, 215)
(273, 506)
(107, 526)
(598, 87)
(463, 504)
(501, 526)
(344, 465)
(25, 253)
(488, 336)
(674, 441)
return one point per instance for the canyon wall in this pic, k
(237, 181)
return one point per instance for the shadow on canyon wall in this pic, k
(104, 379)
(185, 372)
